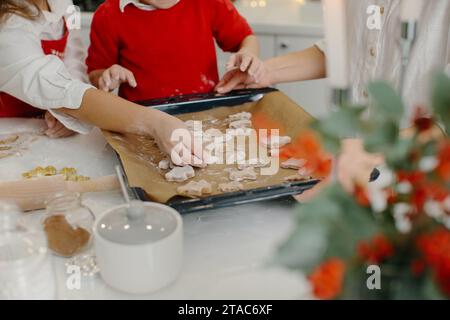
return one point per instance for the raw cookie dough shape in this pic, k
(240, 124)
(14, 145)
(243, 175)
(232, 186)
(239, 132)
(254, 163)
(297, 178)
(180, 174)
(69, 174)
(195, 188)
(164, 164)
(293, 163)
(240, 116)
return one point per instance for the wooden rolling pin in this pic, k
(32, 194)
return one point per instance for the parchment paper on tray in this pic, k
(140, 155)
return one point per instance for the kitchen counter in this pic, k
(226, 251)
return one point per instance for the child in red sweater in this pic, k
(161, 48)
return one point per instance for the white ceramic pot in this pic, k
(140, 252)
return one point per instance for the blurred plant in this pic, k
(400, 222)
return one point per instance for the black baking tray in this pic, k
(201, 102)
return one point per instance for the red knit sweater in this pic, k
(170, 52)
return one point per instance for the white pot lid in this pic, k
(138, 224)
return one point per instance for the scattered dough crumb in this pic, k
(293, 163)
(232, 186)
(242, 175)
(195, 188)
(180, 174)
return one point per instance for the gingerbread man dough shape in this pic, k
(243, 175)
(232, 186)
(240, 116)
(164, 164)
(180, 174)
(297, 178)
(293, 163)
(254, 163)
(240, 124)
(195, 188)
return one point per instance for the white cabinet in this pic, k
(267, 50)
(311, 95)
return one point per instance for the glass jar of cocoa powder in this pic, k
(68, 225)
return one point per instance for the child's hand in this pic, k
(56, 129)
(114, 76)
(171, 134)
(246, 62)
(237, 79)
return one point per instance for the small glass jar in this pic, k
(68, 225)
(26, 269)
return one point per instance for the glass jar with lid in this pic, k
(26, 270)
(68, 225)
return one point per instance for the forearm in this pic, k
(112, 113)
(308, 64)
(94, 77)
(250, 45)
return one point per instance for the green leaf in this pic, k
(355, 223)
(398, 153)
(441, 99)
(386, 101)
(431, 290)
(342, 123)
(329, 226)
(306, 246)
(331, 144)
(382, 137)
(429, 148)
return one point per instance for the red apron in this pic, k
(13, 108)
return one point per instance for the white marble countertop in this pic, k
(226, 251)
(281, 17)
